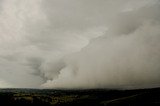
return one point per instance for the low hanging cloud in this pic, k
(126, 56)
(80, 44)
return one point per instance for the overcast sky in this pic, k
(79, 43)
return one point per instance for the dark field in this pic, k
(92, 97)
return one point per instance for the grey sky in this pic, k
(79, 43)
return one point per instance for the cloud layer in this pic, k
(80, 44)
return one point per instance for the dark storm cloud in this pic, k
(79, 43)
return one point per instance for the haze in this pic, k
(79, 44)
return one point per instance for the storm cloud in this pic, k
(79, 44)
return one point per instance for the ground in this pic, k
(90, 97)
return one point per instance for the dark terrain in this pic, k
(92, 97)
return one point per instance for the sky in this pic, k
(79, 44)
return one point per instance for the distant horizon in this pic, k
(82, 88)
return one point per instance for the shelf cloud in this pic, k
(80, 44)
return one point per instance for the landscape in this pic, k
(85, 97)
(79, 52)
